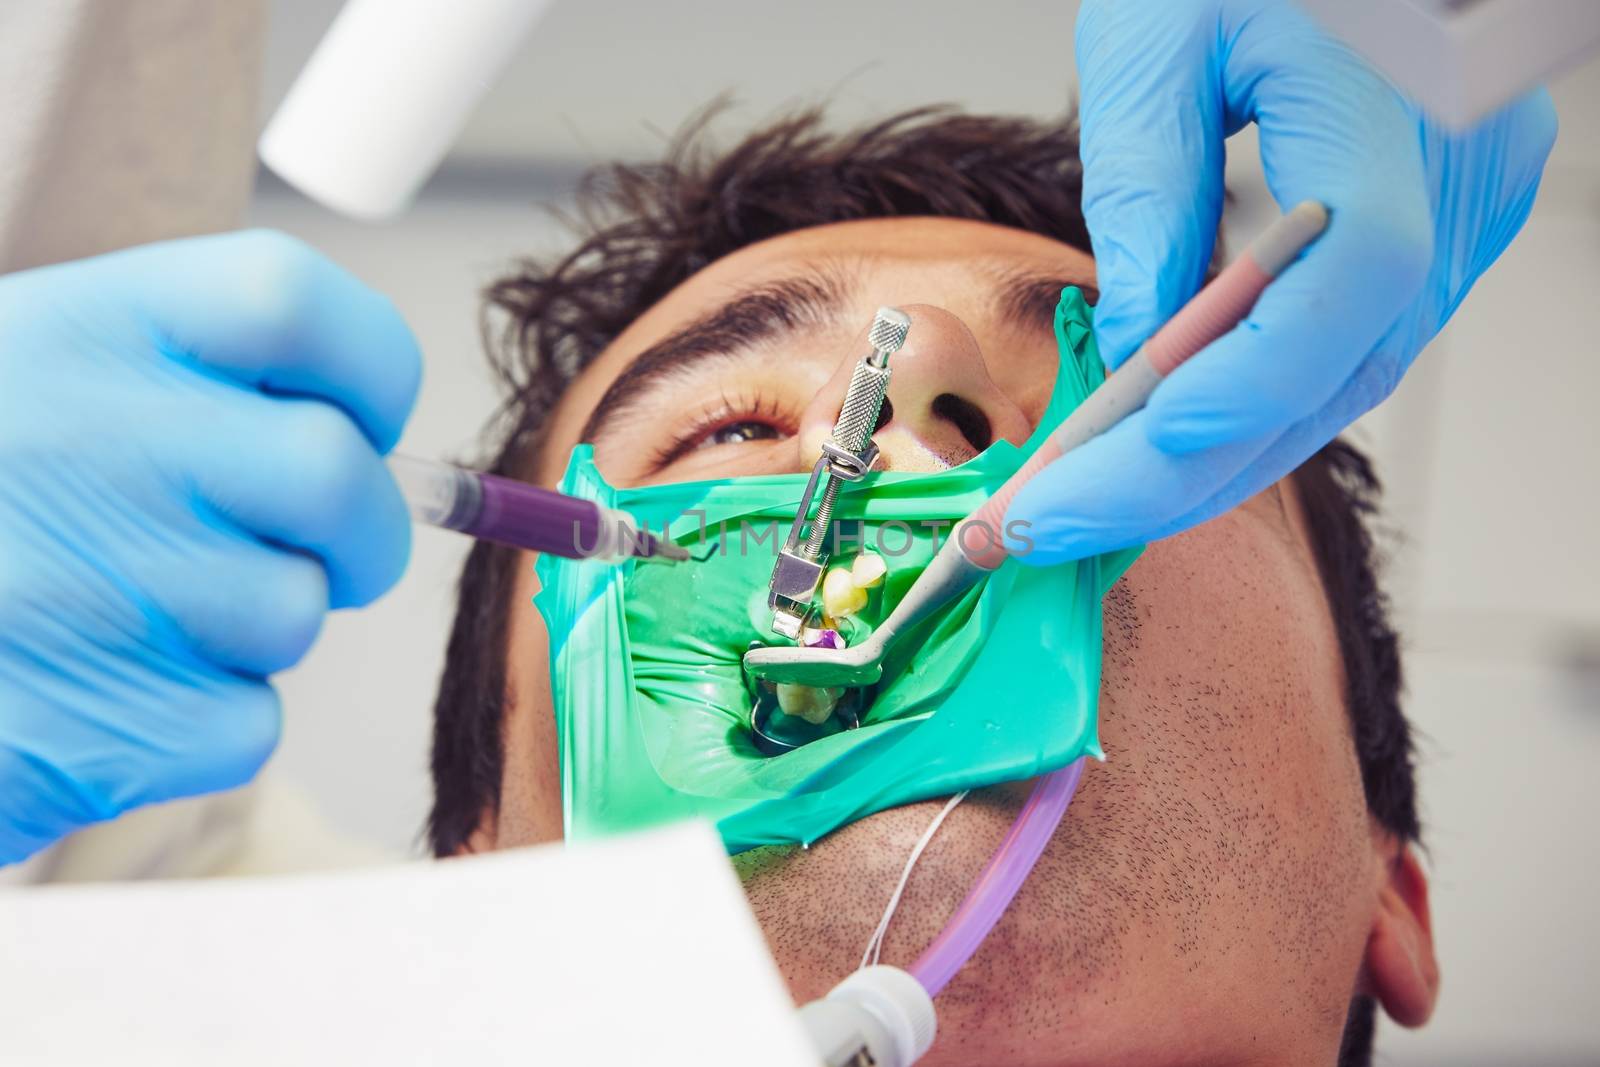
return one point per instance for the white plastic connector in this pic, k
(879, 1015)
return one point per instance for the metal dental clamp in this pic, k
(847, 455)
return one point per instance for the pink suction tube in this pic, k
(997, 886)
(1215, 310)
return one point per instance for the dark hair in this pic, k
(645, 229)
(1339, 493)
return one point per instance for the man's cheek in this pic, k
(530, 784)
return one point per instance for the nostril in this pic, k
(966, 417)
(885, 413)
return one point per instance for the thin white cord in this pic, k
(875, 946)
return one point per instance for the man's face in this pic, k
(1218, 891)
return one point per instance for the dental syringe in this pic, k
(509, 512)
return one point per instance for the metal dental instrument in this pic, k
(509, 512)
(974, 548)
(847, 455)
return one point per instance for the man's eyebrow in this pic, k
(1027, 299)
(769, 311)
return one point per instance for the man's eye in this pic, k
(737, 433)
(753, 419)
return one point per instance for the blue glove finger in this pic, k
(218, 743)
(1118, 490)
(302, 474)
(1152, 149)
(1305, 339)
(1331, 130)
(269, 311)
(206, 739)
(257, 612)
(1477, 220)
(1294, 446)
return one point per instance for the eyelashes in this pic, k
(753, 417)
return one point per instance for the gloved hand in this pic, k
(1417, 214)
(190, 476)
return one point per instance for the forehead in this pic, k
(950, 262)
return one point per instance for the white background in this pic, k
(1490, 450)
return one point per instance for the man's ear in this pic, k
(483, 837)
(1400, 966)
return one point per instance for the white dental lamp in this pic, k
(385, 94)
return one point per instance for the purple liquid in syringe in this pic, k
(539, 519)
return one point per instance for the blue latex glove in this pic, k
(190, 476)
(1417, 214)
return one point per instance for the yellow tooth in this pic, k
(840, 597)
(812, 705)
(868, 570)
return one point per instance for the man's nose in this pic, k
(942, 407)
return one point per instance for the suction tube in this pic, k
(997, 886)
